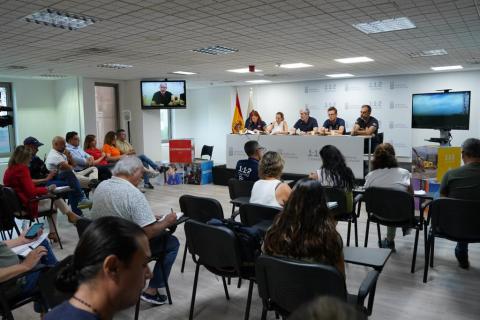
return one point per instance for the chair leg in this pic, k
(56, 231)
(233, 212)
(427, 260)
(432, 250)
(379, 236)
(194, 291)
(183, 260)
(264, 313)
(239, 284)
(415, 245)
(425, 236)
(137, 309)
(3, 236)
(225, 288)
(348, 232)
(355, 226)
(249, 300)
(366, 233)
(167, 287)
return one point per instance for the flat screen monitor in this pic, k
(446, 110)
(157, 94)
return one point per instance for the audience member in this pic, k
(279, 126)
(327, 308)
(333, 125)
(335, 173)
(110, 149)
(270, 190)
(107, 272)
(99, 157)
(126, 148)
(386, 174)
(17, 176)
(306, 124)
(247, 169)
(464, 183)
(83, 163)
(255, 123)
(120, 197)
(305, 230)
(37, 167)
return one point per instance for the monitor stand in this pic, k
(444, 139)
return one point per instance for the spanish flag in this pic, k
(237, 121)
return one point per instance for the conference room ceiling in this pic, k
(157, 37)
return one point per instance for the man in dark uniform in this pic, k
(333, 124)
(367, 125)
(163, 97)
(247, 169)
(306, 123)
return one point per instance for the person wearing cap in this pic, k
(38, 169)
(247, 169)
(306, 124)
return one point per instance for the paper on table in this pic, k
(24, 249)
(179, 215)
(419, 192)
(332, 204)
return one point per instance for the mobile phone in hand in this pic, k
(33, 231)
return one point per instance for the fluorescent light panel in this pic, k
(340, 75)
(188, 73)
(59, 19)
(395, 24)
(114, 66)
(258, 81)
(443, 68)
(216, 50)
(295, 65)
(354, 60)
(428, 53)
(243, 70)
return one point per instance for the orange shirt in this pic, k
(111, 150)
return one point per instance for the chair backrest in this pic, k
(252, 213)
(288, 283)
(200, 208)
(389, 205)
(207, 150)
(82, 225)
(238, 188)
(52, 297)
(213, 246)
(456, 219)
(9, 205)
(336, 195)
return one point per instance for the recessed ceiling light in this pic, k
(428, 53)
(59, 19)
(184, 72)
(243, 70)
(114, 66)
(216, 50)
(395, 24)
(340, 75)
(354, 60)
(447, 68)
(258, 81)
(295, 65)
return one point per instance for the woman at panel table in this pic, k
(305, 230)
(387, 174)
(335, 173)
(110, 148)
(279, 126)
(255, 122)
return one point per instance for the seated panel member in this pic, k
(365, 124)
(247, 169)
(255, 122)
(306, 123)
(333, 125)
(279, 126)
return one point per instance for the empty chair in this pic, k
(200, 209)
(304, 282)
(392, 208)
(257, 215)
(452, 219)
(240, 192)
(9, 205)
(218, 249)
(206, 151)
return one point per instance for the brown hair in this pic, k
(384, 157)
(110, 138)
(271, 165)
(305, 229)
(88, 140)
(332, 109)
(281, 115)
(21, 155)
(255, 113)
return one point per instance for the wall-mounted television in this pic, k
(158, 94)
(441, 110)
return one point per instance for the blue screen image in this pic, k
(441, 104)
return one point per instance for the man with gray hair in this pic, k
(119, 196)
(306, 124)
(464, 183)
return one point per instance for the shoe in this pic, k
(148, 185)
(387, 244)
(142, 190)
(152, 173)
(462, 260)
(92, 184)
(157, 299)
(406, 231)
(84, 204)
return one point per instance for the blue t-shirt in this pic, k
(247, 170)
(68, 311)
(306, 126)
(260, 125)
(339, 122)
(371, 122)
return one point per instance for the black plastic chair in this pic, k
(240, 192)
(218, 249)
(451, 219)
(257, 215)
(207, 151)
(392, 208)
(200, 209)
(51, 296)
(285, 284)
(9, 205)
(341, 213)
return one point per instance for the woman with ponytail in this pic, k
(305, 230)
(107, 272)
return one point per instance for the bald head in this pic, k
(58, 143)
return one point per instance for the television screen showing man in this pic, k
(163, 97)
(333, 125)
